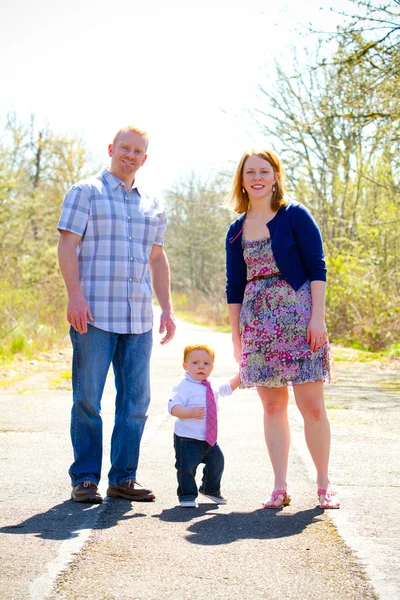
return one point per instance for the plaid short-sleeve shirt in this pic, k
(118, 229)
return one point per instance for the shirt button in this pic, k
(130, 279)
(129, 218)
(130, 238)
(131, 258)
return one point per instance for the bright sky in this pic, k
(186, 71)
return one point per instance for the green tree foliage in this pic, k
(195, 245)
(36, 168)
(337, 125)
(369, 36)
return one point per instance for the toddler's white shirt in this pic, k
(190, 392)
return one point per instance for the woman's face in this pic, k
(258, 177)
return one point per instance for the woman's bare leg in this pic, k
(276, 431)
(310, 400)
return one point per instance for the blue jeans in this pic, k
(93, 353)
(189, 454)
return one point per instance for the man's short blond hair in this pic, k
(188, 349)
(135, 130)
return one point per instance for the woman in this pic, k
(276, 279)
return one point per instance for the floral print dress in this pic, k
(273, 326)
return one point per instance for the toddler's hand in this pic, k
(198, 412)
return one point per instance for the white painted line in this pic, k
(367, 550)
(41, 588)
(153, 425)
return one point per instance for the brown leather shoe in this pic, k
(86, 491)
(131, 490)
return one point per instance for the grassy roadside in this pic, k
(341, 353)
(56, 361)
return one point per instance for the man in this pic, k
(110, 252)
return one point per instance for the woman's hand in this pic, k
(237, 350)
(316, 333)
(234, 318)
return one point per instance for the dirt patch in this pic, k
(50, 370)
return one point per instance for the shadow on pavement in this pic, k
(227, 528)
(66, 520)
(183, 515)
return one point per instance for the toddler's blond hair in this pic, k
(188, 349)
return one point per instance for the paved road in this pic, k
(53, 548)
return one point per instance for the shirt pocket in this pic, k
(144, 231)
(108, 217)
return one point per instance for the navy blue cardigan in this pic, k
(296, 243)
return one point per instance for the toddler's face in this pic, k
(199, 364)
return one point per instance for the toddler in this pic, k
(194, 401)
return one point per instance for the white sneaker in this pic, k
(189, 504)
(218, 499)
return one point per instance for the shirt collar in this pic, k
(114, 181)
(187, 376)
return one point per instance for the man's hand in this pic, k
(167, 323)
(159, 269)
(78, 310)
(79, 313)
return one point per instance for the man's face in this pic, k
(198, 365)
(128, 154)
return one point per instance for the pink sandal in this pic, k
(283, 501)
(327, 498)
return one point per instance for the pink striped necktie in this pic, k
(211, 415)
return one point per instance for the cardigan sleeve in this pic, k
(309, 243)
(236, 270)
